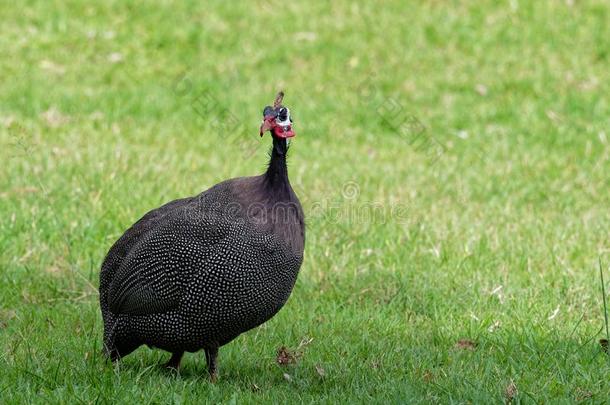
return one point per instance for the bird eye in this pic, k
(283, 114)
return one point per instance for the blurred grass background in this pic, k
(475, 281)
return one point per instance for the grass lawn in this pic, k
(452, 159)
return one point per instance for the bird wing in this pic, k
(155, 274)
(126, 242)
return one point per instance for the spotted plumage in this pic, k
(199, 271)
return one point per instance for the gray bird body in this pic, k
(197, 272)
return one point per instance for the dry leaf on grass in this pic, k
(321, 372)
(284, 356)
(581, 395)
(465, 344)
(510, 392)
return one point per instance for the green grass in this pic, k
(485, 225)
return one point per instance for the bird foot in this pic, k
(174, 362)
(171, 366)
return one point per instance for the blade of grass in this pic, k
(601, 276)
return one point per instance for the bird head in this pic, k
(277, 119)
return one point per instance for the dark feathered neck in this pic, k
(276, 176)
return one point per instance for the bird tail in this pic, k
(110, 322)
(117, 340)
(110, 326)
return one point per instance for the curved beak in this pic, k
(267, 125)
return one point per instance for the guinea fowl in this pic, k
(197, 272)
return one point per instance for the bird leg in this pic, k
(174, 362)
(210, 357)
